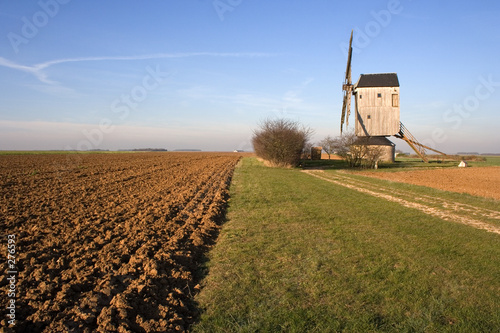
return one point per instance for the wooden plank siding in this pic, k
(377, 111)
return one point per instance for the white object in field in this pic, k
(462, 164)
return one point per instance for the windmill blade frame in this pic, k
(347, 88)
(348, 108)
(342, 116)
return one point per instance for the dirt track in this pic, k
(110, 242)
(445, 209)
(484, 181)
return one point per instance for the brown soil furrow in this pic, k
(111, 242)
(445, 215)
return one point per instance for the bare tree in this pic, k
(346, 148)
(329, 145)
(280, 141)
(306, 152)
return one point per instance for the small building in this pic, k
(377, 105)
(316, 153)
(381, 145)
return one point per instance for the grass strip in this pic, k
(299, 254)
(418, 191)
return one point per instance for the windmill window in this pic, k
(360, 96)
(369, 117)
(395, 100)
(379, 95)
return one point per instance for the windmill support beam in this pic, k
(410, 143)
(421, 145)
(419, 148)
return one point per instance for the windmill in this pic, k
(377, 111)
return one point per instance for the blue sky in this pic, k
(203, 73)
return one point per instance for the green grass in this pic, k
(418, 191)
(493, 160)
(299, 254)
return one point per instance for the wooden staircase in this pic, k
(419, 148)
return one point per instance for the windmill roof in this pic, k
(378, 80)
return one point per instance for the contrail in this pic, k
(37, 69)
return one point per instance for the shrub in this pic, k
(280, 142)
(356, 151)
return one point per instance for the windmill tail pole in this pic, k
(411, 140)
(419, 148)
(434, 150)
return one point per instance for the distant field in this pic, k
(484, 181)
(492, 160)
(405, 163)
(43, 152)
(329, 251)
(436, 161)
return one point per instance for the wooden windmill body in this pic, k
(377, 105)
(377, 109)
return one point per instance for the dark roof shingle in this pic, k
(378, 80)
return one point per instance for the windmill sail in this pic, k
(347, 87)
(342, 116)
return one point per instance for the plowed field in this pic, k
(109, 242)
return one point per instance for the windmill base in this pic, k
(379, 145)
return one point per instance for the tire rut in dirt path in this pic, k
(456, 207)
(434, 206)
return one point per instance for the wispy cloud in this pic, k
(29, 69)
(292, 97)
(38, 69)
(289, 103)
